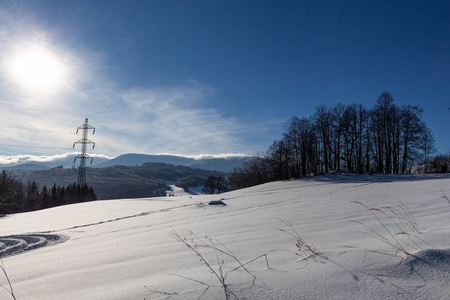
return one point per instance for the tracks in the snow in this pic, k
(15, 244)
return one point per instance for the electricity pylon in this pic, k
(84, 141)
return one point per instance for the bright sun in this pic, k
(38, 70)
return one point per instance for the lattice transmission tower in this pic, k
(83, 155)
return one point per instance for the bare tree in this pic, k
(322, 119)
(427, 146)
(412, 130)
(214, 185)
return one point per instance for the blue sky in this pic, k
(214, 77)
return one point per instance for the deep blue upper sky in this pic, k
(217, 77)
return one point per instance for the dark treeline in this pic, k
(15, 197)
(215, 185)
(438, 164)
(385, 139)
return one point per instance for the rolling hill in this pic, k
(147, 180)
(316, 238)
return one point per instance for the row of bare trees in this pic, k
(386, 139)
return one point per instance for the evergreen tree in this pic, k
(45, 198)
(33, 197)
(11, 194)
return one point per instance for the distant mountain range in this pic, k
(217, 164)
(225, 164)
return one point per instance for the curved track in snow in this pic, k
(15, 244)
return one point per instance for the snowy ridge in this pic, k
(127, 249)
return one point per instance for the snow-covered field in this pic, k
(127, 249)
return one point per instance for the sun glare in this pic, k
(38, 70)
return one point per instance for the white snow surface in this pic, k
(125, 249)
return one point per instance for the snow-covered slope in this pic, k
(127, 249)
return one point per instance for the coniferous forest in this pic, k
(16, 197)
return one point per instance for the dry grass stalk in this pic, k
(399, 231)
(303, 249)
(217, 267)
(10, 289)
(444, 196)
(153, 290)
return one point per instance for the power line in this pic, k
(114, 151)
(84, 142)
(25, 146)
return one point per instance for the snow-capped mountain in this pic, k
(206, 162)
(223, 164)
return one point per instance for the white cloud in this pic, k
(20, 159)
(179, 120)
(23, 158)
(209, 156)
